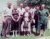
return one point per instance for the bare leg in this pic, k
(16, 33)
(29, 27)
(13, 33)
(41, 32)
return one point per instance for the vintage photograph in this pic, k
(24, 19)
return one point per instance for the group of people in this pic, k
(23, 19)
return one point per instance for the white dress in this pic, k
(26, 15)
(32, 11)
(26, 19)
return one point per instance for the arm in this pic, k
(47, 13)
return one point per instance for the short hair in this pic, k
(43, 5)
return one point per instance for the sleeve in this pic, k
(47, 13)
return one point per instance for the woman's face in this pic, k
(37, 7)
(9, 5)
(15, 16)
(27, 9)
(43, 6)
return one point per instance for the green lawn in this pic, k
(26, 37)
(46, 36)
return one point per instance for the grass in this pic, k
(47, 36)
